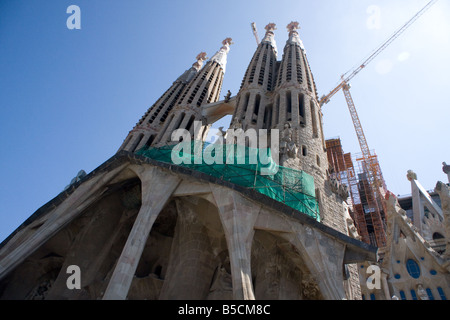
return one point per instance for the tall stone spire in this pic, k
(262, 68)
(295, 67)
(206, 86)
(253, 107)
(151, 122)
(296, 107)
(281, 95)
(204, 89)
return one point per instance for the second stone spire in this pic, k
(203, 89)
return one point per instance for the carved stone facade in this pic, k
(415, 264)
(190, 238)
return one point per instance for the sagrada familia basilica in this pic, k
(142, 227)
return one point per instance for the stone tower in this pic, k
(142, 227)
(203, 89)
(282, 95)
(179, 106)
(253, 108)
(151, 123)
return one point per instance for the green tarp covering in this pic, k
(247, 167)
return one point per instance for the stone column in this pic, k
(240, 114)
(238, 217)
(295, 109)
(323, 257)
(143, 141)
(250, 108)
(384, 275)
(168, 133)
(282, 108)
(81, 198)
(262, 111)
(306, 112)
(185, 121)
(418, 210)
(191, 266)
(157, 188)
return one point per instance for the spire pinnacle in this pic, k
(293, 27)
(221, 56)
(200, 58)
(270, 36)
(227, 41)
(294, 38)
(271, 27)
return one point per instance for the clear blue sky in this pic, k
(68, 98)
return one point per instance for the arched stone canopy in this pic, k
(142, 252)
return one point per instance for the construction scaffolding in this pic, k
(368, 181)
(366, 203)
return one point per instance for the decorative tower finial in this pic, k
(271, 27)
(294, 38)
(221, 56)
(227, 41)
(200, 58)
(411, 175)
(293, 27)
(270, 36)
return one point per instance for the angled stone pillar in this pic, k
(238, 216)
(420, 197)
(282, 108)
(89, 249)
(322, 254)
(250, 108)
(191, 266)
(81, 198)
(324, 257)
(418, 211)
(166, 135)
(157, 188)
(384, 275)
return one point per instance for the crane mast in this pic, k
(372, 170)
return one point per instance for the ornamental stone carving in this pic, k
(310, 289)
(411, 175)
(339, 188)
(287, 145)
(422, 293)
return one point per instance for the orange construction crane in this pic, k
(372, 167)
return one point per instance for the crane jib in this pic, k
(375, 53)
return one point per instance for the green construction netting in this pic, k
(248, 167)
